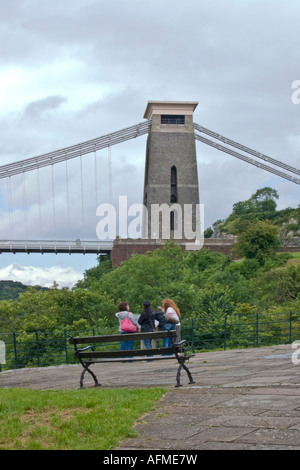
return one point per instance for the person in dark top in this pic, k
(149, 320)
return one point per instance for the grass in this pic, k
(90, 419)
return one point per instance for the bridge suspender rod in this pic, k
(247, 159)
(75, 150)
(246, 149)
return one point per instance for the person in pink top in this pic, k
(123, 308)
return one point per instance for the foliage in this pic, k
(12, 289)
(258, 241)
(94, 274)
(203, 283)
(261, 206)
(278, 286)
(208, 232)
(206, 285)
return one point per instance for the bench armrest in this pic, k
(78, 351)
(181, 347)
(180, 343)
(86, 348)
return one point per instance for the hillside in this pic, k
(10, 290)
(261, 206)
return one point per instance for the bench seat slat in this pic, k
(133, 359)
(131, 352)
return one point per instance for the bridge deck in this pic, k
(53, 246)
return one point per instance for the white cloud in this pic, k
(41, 276)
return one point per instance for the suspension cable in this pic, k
(39, 202)
(10, 208)
(246, 149)
(75, 150)
(96, 178)
(109, 176)
(53, 203)
(67, 189)
(25, 205)
(82, 203)
(247, 159)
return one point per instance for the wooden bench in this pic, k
(177, 351)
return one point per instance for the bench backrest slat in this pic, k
(123, 337)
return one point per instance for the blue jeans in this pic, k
(126, 345)
(168, 341)
(147, 343)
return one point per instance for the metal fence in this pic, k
(39, 349)
(235, 331)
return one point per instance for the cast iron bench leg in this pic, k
(182, 365)
(86, 369)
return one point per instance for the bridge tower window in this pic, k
(172, 119)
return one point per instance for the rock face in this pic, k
(217, 233)
(290, 233)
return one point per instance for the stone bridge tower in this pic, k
(171, 180)
(171, 168)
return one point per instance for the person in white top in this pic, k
(171, 310)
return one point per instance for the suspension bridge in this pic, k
(32, 207)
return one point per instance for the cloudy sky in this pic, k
(76, 70)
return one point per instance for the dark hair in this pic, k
(147, 308)
(148, 311)
(122, 306)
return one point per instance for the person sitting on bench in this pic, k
(123, 308)
(147, 321)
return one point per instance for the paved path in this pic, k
(242, 399)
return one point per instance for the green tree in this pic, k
(258, 241)
(216, 301)
(278, 286)
(94, 274)
(208, 232)
(260, 206)
(264, 199)
(243, 207)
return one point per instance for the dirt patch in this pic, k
(40, 424)
(45, 416)
(294, 261)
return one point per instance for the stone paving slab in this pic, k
(242, 400)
